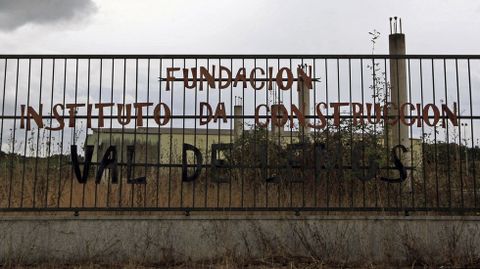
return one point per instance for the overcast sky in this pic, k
(237, 27)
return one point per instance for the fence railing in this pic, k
(239, 133)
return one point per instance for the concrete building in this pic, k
(151, 142)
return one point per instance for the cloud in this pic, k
(17, 13)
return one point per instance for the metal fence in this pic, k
(239, 133)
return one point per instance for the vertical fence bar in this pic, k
(84, 185)
(2, 118)
(462, 202)
(374, 94)
(315, 133)
(119, 116)
(327, 181)
(448, 137)
(232, 113)
(38, 134)
(50, 132)
(132, 186)
(112, 84)
(98, 126)
(242, 158)
(13, 136)
(351, 129)
(435, 139)
(60, 174)
(340, 182)
(171, 139)
(412, 182)
(400, 189)
(26, 133)
(471, 135)
(267, 140)
(255, 139)
(206, 138)
(147, 135)
(364, 198)
(72, 137)
(218, 133)
(291, 180)
(387, 94)
(305, 110)
(424, 175)
(195, 131)
(159, 147)
(183, 131)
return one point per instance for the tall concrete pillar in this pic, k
(397, 133)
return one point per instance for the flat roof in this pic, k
(159, 130)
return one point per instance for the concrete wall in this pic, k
(342, 240)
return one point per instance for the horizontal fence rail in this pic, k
(319, 133)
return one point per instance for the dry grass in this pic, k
(45, 183)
